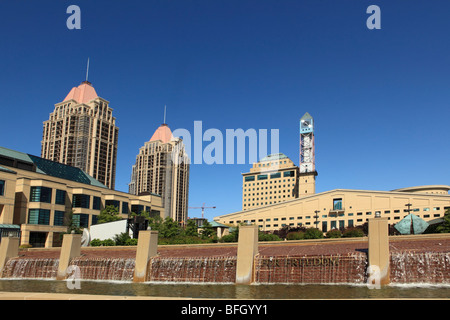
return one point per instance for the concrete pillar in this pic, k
(9, 248)
(24, 237)
(247, 250)
(146, 249)
(49, 240)
(379, 258)
(71, 247)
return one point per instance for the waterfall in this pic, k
(420, 267)
(196, 269)
(337, 268)
(31, 268)
(119, 269)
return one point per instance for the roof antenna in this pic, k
(87, 73)
(164, 114)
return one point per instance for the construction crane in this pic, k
(203, 209)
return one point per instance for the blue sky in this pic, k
(380, 98)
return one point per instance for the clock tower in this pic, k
(308, 173)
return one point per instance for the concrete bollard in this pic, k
(247, 250)
(9, 248)
(146, 249)
(379, 259)
(71, 247)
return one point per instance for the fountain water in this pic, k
(337, 268)
(196, 269)
(420, 267)
(32, 268)
(120, 269)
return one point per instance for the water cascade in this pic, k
(420, 267)
(349, 268)
(192, 269)
(31, 268)
(119, 269)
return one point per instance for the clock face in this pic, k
(306, 124)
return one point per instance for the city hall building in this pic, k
(341, 208)
(36, 196)
(277, 194)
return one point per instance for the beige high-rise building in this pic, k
(82, 132)
(162, 167)
(273, 179)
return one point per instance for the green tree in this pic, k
(207, 230)
(169, 228)
(155, 223)
(109, 214)
(191, 229)
(445, 227)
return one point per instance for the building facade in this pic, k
(337, 209)
(162, 167)
(81, 132)
(38, 196)
(273, 179)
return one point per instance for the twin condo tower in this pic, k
(82, 132)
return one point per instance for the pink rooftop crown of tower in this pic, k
(84, 93)
(163, 133)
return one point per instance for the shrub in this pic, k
(108, 243)
(268, 237)
(295, 235)
(313, 233)
(121, 238)
(335, 233)
(96, 242)
(353, 232)
(228, 238)
(131, 242)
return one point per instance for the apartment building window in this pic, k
(333, 225)
(289, 174)
(39, 216)
(81, 220)
(81, 201)
(41, 194)
(2, 187)
(275, 175)
(262, 176)
(138, 208)
(125, 207)
(115, 203)
(250, 178)
(337, 204)
(96, 203)
(60, 197)
(59, 218)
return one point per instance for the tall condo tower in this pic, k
(162, 167)
(308, 173)
(81, 132)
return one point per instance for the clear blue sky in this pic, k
(380, 98)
